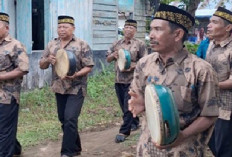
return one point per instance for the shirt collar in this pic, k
(8, 38)
(224, 43)
(130, 41)
(73, 38)
(178, 58)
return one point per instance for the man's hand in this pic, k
(70, 77)
(179, 140)
(115, 54)
(132, 67)
(136, 103)
(51, 59)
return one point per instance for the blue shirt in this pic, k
(202, 49)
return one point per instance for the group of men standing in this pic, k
(203, 96)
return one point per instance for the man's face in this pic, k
(65, 30)
(129, 31)
(161, 37)
(4, 29)
(216, 27)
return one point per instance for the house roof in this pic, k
(208, 7)
(202, 13)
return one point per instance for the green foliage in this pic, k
(192, 48)
(166, 1)
(38, 119)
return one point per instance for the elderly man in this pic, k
(13, 65)
(219, 55)
(192, 81)
(71, 90)
(123, 79)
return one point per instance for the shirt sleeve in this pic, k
(139, 81)
(46, 52)
(142, 50)
(20, 58)
(230, 64)
(87, 56)
(111, 49)
(208, 92)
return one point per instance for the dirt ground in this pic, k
(98, 143)
(94, 144)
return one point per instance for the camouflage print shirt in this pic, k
(12, 55)
(220, 57)
(193, 83)
(137, 50)
(84, 58)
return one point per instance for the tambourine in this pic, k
(162, 114)
(65, 63)
(124, 59)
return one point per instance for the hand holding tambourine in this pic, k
(162, 114)
(124, 60)
(52, 59)
(65, 64)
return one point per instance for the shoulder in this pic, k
(200, 66)
(80, 41)
(81, 44)
(53, 42)
(118, 41)
(16, 42)
(229, 48)
(140, 42)
(149, 58)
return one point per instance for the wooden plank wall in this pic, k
(105, 23)
(139, 16)
(126, 5)
(81, 10)
(8, 7)
(24, 23)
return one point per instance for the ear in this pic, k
(179, 34)
(7, 27)
(229, 28)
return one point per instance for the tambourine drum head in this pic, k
(65, 63)
(124, 59)
(153, 114)
(162, 115)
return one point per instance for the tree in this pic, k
(191, 5)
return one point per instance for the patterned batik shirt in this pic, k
(137, 50)
(220, 57)
(193, 83)
(12, 56)
(84, 58)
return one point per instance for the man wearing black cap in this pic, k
(219, 55)
(192, 81)
(13, 65)
(137, 50)
(71, 90)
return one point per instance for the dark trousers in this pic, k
(123, 97)
(9, 145)
(69, 108)
(221, 140)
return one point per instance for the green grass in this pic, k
(38, 119)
